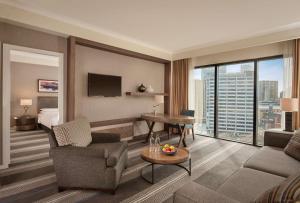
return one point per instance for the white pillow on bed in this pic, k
(49, 109)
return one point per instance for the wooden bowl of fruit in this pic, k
(168, 149)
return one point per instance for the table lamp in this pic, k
(26, 103)
(289, 105)
(159, 99)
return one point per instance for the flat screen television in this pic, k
(104, 85)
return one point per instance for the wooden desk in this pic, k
(151, 119)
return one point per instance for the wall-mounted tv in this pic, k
(104, 85)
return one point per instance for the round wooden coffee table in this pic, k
(159, 158)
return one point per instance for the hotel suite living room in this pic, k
(150, 101)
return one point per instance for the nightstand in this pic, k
(24, 123)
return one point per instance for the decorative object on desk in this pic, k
(50, 86)
(150, 89)
(157, 143)
(168, 149)
(289, 105)
(141, 88)
(152, 143)
(159, 99)
(26, 103)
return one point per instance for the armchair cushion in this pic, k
(75, 133)
(115, 150)
(67, 151)
(99, 137)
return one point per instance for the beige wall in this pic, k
(24, 84)
(20, 36)
(133, 72)
(241, 54)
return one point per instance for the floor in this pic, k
(212, 162)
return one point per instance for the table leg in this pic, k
(152, 174)
(188, 169)
(182, 137)
(190, 166)
(151, 126)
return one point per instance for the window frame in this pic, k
(255, 104)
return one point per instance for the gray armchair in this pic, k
(97, 166)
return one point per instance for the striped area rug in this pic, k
(207, 154)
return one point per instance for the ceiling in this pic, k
(172, 25)
(34, 58)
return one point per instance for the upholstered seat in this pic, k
(99, 165)
(273, 160)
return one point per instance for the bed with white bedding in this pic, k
(48, 115)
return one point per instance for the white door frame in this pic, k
(6, 83)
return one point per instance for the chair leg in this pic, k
(193, 133)
(61, 189)
(113, 192)
(169, 133)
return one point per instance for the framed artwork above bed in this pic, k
(49, 86)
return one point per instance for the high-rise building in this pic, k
(235, 100)
(199, 101)
(268, 91)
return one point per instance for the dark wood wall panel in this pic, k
(71, 79)
(73, 41)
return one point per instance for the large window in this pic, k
(269, 91)
(238, 101)
(204, 100)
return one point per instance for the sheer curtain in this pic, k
(288, 60)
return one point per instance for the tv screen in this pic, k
(104, 85)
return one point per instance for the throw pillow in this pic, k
(61, 135)
(293, 147)
(75, 133)
(287, 192)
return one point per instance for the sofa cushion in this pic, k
(193, 192)
(287, 191)
(273, 160)
(247, 184)
(293, 147)
(115, 150)
(76, 133)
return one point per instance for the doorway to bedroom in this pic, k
(32, 104)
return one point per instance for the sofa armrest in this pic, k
(276, 138)
(67, 151)
(98, 137)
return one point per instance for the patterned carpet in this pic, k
(213, 161)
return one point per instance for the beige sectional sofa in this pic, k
(267, 168)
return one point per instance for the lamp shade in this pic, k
(159, 99)
(289, 104)
(26, 102)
